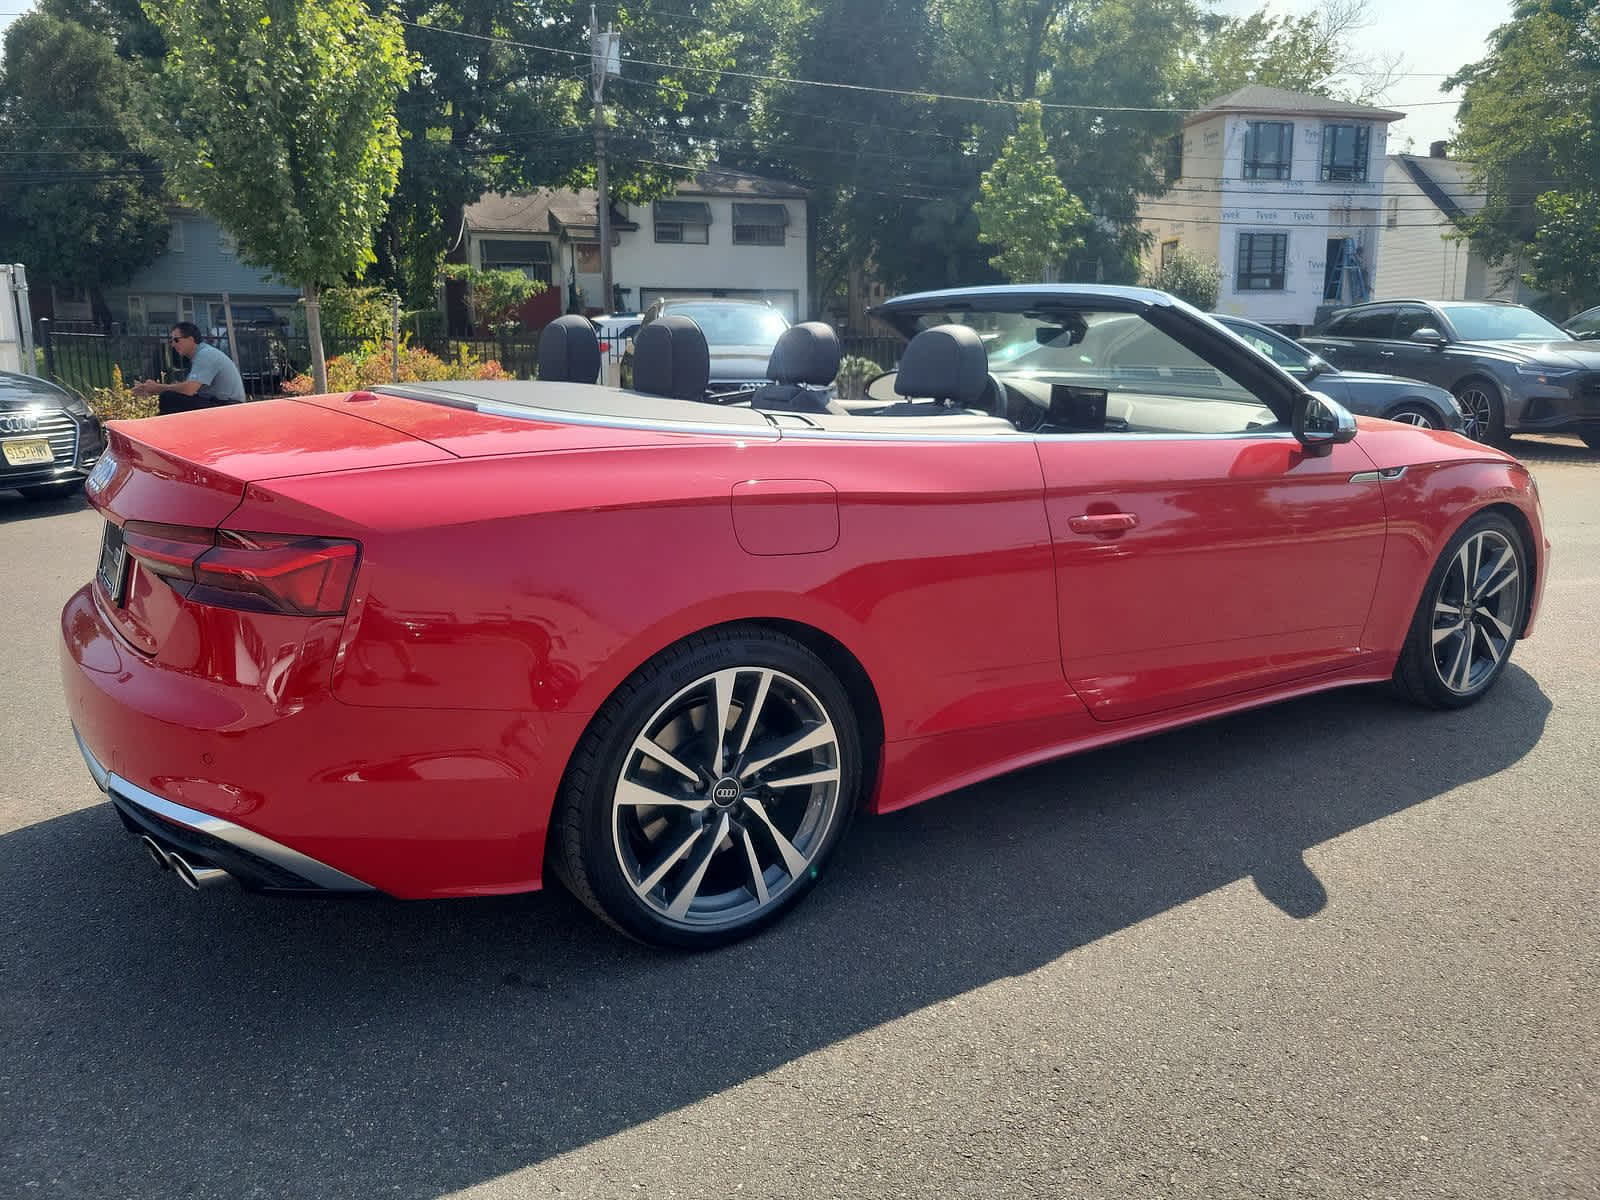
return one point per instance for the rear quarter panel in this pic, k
(539, 582)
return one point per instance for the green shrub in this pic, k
(374, 365)
(1190, 277)
(854, 372)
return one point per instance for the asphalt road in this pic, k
(1337, 948)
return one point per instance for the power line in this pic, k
(850, 87)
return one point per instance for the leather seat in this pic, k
(948, 365)
(802, 365)
(671, 358)
(569, 351)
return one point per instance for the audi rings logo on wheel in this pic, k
(18, 422)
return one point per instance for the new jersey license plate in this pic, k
(27, 452)
(113, 570)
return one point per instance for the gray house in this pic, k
(187, 282)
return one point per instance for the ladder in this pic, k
(1348, 277)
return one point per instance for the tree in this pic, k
(495, 296)
(282, 127)
(1190, 277)
(501, 104)
(83, 207)
(1311, 52)
(1026, 210)
(1528, 123)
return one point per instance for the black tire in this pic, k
(706, 868)
(1414, 412)
(1482, 409)
(51, 491)
(1591, 440)
(1461, 638)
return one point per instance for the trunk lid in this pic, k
(191, 470)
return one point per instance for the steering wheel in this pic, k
(1012, 406)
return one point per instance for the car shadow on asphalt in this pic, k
(14, 507)
(165, 1043)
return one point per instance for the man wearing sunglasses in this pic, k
(212, 379)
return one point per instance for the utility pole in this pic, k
(604, 60)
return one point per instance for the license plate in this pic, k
(113, 570)
(27, 452)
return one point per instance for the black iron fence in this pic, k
(885, 351)
(86, 358)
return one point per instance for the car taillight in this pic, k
(274, 572)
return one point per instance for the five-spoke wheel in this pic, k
(1482, 414)
(1470, 615)
(706, 800)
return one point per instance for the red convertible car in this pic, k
(448, 639)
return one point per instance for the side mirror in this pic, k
(1427, 336)
(1317, 365)
(1321, 423)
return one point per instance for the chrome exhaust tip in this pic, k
(194, 878)
(157, 854)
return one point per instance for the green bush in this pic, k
(1190, 277)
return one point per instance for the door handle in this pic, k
(1385, 353)
(1102, 522)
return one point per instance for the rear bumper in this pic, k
(255, 861)
(251, 765)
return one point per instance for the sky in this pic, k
(1435, 37)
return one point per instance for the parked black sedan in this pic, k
(1511, 370)
(1406, 400)
(49, 440)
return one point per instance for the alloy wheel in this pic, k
(1412, 416)
(726, 797)
(1475, 611)
(1477, 411)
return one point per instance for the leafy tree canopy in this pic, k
(1527, 121)
(82, 206)
(1025, 209)
(280, 124)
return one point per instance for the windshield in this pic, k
(733, 324)
(1292, 357)
(1501, 323)
(1101, 349)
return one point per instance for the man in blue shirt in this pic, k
(212, 379)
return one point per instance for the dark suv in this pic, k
(49, 440)
(1511, 370)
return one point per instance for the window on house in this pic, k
(1168, 249)
(1174, 164)
(531, 257)
(175, 237)
(1268, 149)
(759, 224)
(136, 318)
(227, 244)
(681, 221)
(1344, 152)
(588, 258)
(1393, 221)
(1263, 258)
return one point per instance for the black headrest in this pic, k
(569, 351)
(947, 362)
(806, 353)
(670, 358)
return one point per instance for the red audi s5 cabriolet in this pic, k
(450, 639)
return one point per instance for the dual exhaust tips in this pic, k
(193, 877)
